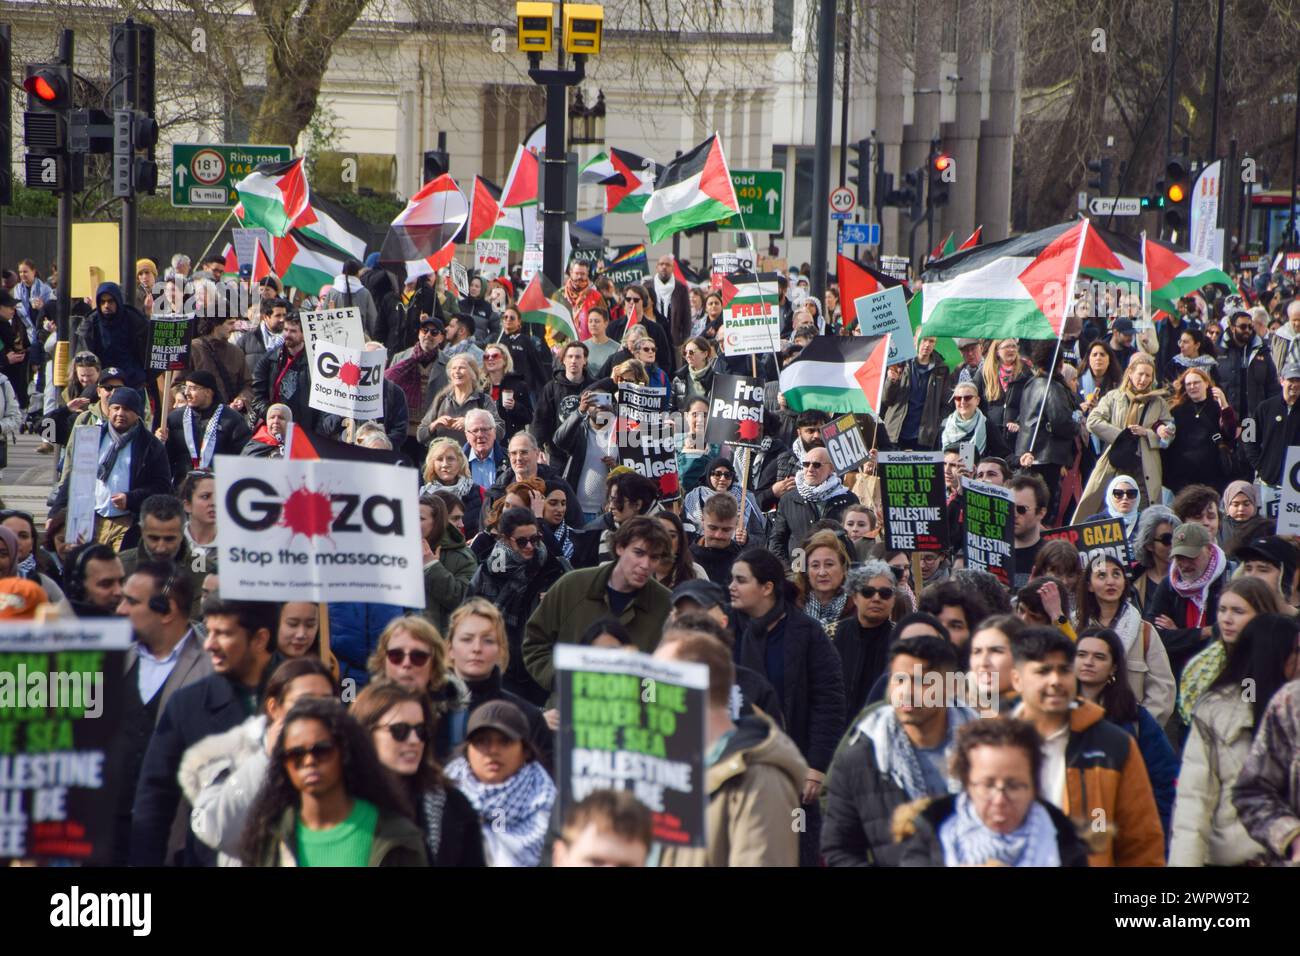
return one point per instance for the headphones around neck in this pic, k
(75, 588)
(161, 603)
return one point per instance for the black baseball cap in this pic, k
(1273, 549)
(706, 594)
(433, 322)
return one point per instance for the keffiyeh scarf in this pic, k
(460, 489)
(514, 815)
(201, 457)
(1196, 591)
(966, 841)
(956, 431)
(828, 613)
(828, 489)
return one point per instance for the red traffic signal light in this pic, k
(48, 86)
(941, 162)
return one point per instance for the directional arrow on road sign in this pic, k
(1115, 206)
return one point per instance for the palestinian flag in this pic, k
(684, 274)
(1173, 273)
(540, 310)
(261, 265)
(521, 181)
(838, 374)
(232, 261)
(1020, 287)
(274, 196)
(484, 209)
(1111, 257)
(628, 179)
(422, 234)
(693, 189)
(304, 263)
(333, 226)
(944, 249)
(306, 445)
(856, 280)
(974, 240)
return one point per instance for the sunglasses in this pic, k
(812, 464)
(1124, 493)
(532, 542)
(867, 591)
(402, 730)
(722, 474)
(963, 398)
(1166, 539)
(646, 348)
(632, 298)
(1022, 509)
(317, 751)
(398, 656)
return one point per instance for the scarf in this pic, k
(896, 757)
(26, 566)
(432, 803)
(460, 489)
(201, 457)
(956, 431)
(116, 442)
(828, 613)
(826, 490)
(1196, 591)
(966, 841)
(564, 540)
(1130, 520)
(1005, 374)
(514, 815)
(1200, 672)
(664, 292)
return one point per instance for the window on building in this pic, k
(509, 114)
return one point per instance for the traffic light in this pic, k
(134, 133)
(436, 162)
(1102, 168)
(1177, 192)
(941, 174)
(911, 197)
(133, 80)
(860, 159)
(45, 125)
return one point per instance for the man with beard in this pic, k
(579, 295)
(1246, 368)
(93, 582)
(203, 428)
(818, 494)
(162, 538)
(283, 376)
(670, 303)
(269, 333)
(560, 397)
(118, 334)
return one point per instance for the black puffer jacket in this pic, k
(812, 695)
(1054, 442)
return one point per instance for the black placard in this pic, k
(735, 411)
(846, 444)
(990, 529)
(169, 342)
(916, 507)
(1095, 538)
(645, 436)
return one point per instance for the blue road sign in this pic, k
(860, 233)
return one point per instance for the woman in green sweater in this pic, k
(327, 800)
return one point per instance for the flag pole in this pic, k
(776, 350)
(216, 235)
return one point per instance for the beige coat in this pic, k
(1206, 829)
(1111, 416)
(753, 793)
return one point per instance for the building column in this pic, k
(998, 132)
(964, 135)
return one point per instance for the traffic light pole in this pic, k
(63, 254)
(127, 244)
(554, 195)
(822, 156)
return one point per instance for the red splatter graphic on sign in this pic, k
(308, 513)
(668, 484)
(748, 430)
(350, 374)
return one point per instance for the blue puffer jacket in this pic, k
(354, 635)
(1162, 764)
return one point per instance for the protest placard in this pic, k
(1288, 509)
(990, 529)
(886, 311)
(532, 261)
(340, 326)
(245, 242)
(169, 341)
(628, 264)
(630, 722)
(894, 266)
(491, 258)
(347, 382)
(845, 443)
(459, 277)
(735, 411)
(318, 530)
(1095, 538)
(752, 313)
(81, 484)
(61, 698)
(645, 436)
(915, 504)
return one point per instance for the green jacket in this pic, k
(578, 600)
(397, 842)
(446, 581)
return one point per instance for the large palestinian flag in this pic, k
(422, 234)
(540, 310)
(838, 374)
(488, 219)
(628, 179)
(521, 181)
(694, 189)
(1021, 287)
(274, 196)
(1173, 273)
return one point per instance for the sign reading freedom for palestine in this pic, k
(915, 505)
(630, 722)
(61, 690)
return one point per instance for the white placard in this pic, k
(340, 326)
(532, 261)
(1288, 509)
(81, 485)
(752, 318)
(347, 382)
(318, 530)
(491, 256)
(460, 277)
(886, 312)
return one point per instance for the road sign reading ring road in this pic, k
(208, 166)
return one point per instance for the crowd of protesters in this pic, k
(1111, 691)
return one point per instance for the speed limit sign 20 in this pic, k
(843, 199)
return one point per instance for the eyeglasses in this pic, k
(867, 591)
(317, 751)
(721, 474)
(479, 431)
(1124, 493)
(963, 398)
(401, 730)
(812, 464)
(397, 657)
(646, 348)
(1166, 539)
(492, 356)
(1011, 789)
(531, 542)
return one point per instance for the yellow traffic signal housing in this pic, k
(536, 27)
(583, 24)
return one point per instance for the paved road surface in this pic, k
(27, 479)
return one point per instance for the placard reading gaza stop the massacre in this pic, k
(346, 381)
(916, 508)
(61, 690)
(845, 443)
(631, 722)
(318, 530)
(1095, 538)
